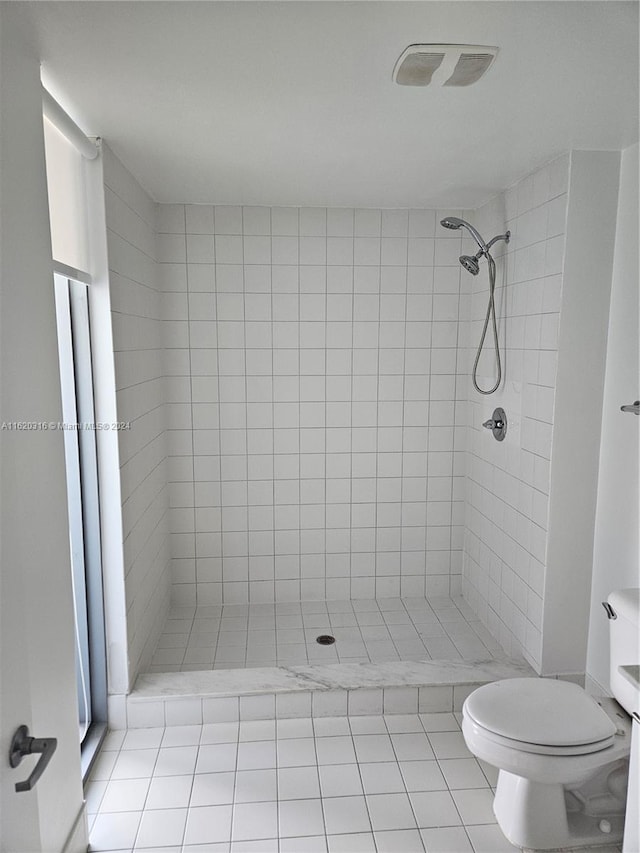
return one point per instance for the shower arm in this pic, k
(485, 247)
(504, 237)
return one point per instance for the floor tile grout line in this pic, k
(316, 735)
(366, 803)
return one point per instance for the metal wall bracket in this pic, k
(634, 408)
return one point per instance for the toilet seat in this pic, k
(540, 749)
(539, 715)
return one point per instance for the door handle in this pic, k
(22, 744)
(634, 408)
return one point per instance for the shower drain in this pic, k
(325, 639)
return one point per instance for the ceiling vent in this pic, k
(443, 64)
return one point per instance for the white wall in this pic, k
(139, 378)
(508, 482)
(312, 361)
(531, 499)
(615, 549)
(582, 340)
(38, 673)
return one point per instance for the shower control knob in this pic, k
(491, 424)
(497, 424)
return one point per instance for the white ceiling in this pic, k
(292, 102)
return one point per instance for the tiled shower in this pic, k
(310, 436)
(312, 356)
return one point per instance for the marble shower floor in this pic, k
(236, 636)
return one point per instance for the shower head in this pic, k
(453, 223)
(470, 264)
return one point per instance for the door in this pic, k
(37, 672)
(76, 380)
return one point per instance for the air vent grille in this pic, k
(443, 64)
(417, 69)
(469, 68)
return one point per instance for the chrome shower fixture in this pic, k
(453, 223)
(471, 264)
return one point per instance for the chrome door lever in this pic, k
(634, 408)
(21, 745)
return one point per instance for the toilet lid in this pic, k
(539, 711)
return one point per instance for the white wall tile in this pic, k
(138, 308)
(507, 504)
(256, 220)
(145, 715)
(199, 218)
(269, 343)
(183, 712)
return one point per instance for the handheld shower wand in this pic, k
(453, 223)
(471, 264)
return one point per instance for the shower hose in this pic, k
(491, 315)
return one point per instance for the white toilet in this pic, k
(562, 755)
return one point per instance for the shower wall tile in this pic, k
(314, 428)
(136, 315)
(507, 496)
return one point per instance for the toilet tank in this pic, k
(624, 644)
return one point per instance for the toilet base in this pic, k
(537, 816)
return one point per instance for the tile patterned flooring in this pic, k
(235, 636)
(393, 784)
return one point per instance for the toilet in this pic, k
(563, 756)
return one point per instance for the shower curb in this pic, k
(218, 696)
